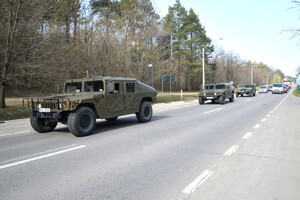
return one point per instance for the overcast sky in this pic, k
(253, 29)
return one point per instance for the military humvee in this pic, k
(248, 89)
(86, 99)
(217, 93)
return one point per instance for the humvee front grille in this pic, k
(54, 104)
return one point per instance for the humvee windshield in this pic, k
(248, 86)
(241, 86)
(93, 86)
(220, 87)
(209, 87)
(73, 87)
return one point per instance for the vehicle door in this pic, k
(227, 91)
(115, 97)
(131, 98)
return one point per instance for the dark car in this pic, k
(285, 88)
(270, 87)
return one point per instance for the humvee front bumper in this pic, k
(47, 107)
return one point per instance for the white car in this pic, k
(277, 88)
(263, 89)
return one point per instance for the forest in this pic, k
(43, 43)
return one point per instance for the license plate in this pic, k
(47, 110)
(209, 97)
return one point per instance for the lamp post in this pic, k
(203, 69)
(150, 65)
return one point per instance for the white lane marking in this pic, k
(231, 150)
(247, 135)
(197, 182)
(274, 109)
(14, 133)
(37, 154)
(41, 157)
(215, 110)
(263, 120)
(272, 112)
(256, 126)
(248, 100)
(268, 115)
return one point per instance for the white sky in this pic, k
(253, 29)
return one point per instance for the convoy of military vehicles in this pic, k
(87, 99)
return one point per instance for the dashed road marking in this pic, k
(211, 111)
(7, 134)
(231, 150)
(257, 126)
(197, 182)
(247, 135)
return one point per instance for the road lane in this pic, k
(130, 160)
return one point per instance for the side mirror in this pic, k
(56, 88)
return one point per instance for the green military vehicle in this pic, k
(217, 93)
(246, 89)
(89, 98)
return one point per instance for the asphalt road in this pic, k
(248, 149)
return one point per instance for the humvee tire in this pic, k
(145, 112)
(40, 126)
(82, 122)
(201, 101)
(222, 100)
(232, 98)
(111, 119)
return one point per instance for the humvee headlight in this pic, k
(215, 93)
(75, 103)
(204, 94)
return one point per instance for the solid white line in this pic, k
(256, 126)
(41, 157)
(197, 182)
(213, 110)
(14, 133)
(247, 135)
(231, 150)
(248, 100)
(264, 119)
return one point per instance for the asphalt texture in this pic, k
(246, 149)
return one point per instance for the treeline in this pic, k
(42, 43)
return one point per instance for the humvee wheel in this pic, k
(40, 126)
(222, 99)
(232, 98)
(201, 101)
(111, 119)
(82, 122)
(145, 112)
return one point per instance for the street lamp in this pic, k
(203, 69)
(150, 65)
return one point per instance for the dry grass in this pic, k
(17, 102)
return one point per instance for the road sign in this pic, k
(168, 78)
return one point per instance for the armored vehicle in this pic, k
(86, 99)
(217, 93)
(248, 89)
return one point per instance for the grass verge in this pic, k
(296, 93)
(172, 98)
(13, 112)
